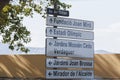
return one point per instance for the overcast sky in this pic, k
(104, 13)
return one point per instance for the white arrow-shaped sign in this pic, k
(68, 22)
(69, 33)
(70, 74)
(63, 63)
(69, 48)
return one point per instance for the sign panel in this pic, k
(58, 12)
(69, 74)
(62, 63)
(69, 33)
(69, 48)
(72, 23)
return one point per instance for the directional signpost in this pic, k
(69, 33)
(69, 74)
(71, 48)
(81, 47)
(70, 23)
(58, 12)
(62, 63)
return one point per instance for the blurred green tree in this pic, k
(12, 13)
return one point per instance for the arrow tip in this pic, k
(50, 31)
(49, 73)
(50, 43)
(50, 62)
(51, 20)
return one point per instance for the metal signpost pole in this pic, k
(81, 47)
(55, 15)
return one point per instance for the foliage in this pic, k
(12, 30)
